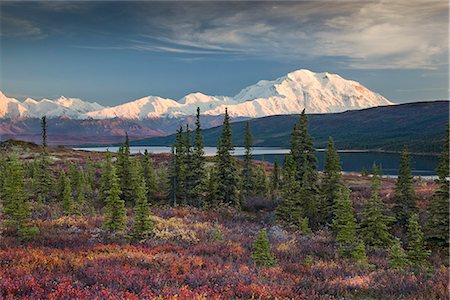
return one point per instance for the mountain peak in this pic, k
(290, 94)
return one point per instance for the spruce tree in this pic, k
(344, 225)
(247, 171)
(397, 256)
(106, 177)
(417, 253)
(331, 183)
(302, 152)
(180, 168)
(142, 223)
(260, 182)
(198, 172)
(226, 166)
(443, 167)
(149, 174)
(16, 206)
(173, 177)
(67, 197)
(290, 211)
(262, 252)
(275, 180)
(437, 225)
(187, 145)
(115, 211)
(211, 199)
(44, 133)
(124, 171)
(375, 224)
(404, 191)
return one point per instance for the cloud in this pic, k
(376, 34)
(17, 27)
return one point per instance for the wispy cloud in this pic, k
(376, 34)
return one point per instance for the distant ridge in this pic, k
(420, 126)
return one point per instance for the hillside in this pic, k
(420, 126)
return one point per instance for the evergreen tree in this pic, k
(302, 149)
(397, 256)
(247, 171)
(67, 198)
(173, 174)
(124, 171)
(106, 177)
(15, 199)
(262, 252)
(188, 166)
(198, 173)
(260, 185)
(417, 253)
(331, 183)
(443, 167)
(290, 210)
(226, 166)
(437, 225)
(275, 180)
(115, 211)
(211, 199)
(142, 223)
(44, 177)
(302, 152)
(404, 192)
(44, 133)
(149, 174)
(180, 168)
(375, 224)
(345, 226)
(359, 254)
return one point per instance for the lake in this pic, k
(351, 160)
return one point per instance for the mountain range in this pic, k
(289, 94)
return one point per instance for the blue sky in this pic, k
(113, 52)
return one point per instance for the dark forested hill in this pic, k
(421, 126)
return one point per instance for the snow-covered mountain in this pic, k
(290, 94)
(60, 107)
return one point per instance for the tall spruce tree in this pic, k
(331, 183)
(16, 206)
(260, 183)
(417, 253)
(275, 180)
(345, 226)
(123, 166)
(198, 172)
(148, 171)
(67, 197)
(226, 166)
(247, 171)
(106, 177)
(437, 225)
(44, 132)
(44, 177)
(115, 211)
(173, 177)
(302, 152)
(404, 191)
(375, 224)
(290, 211)
(180, 168)
(187, 145)
(142, 223)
